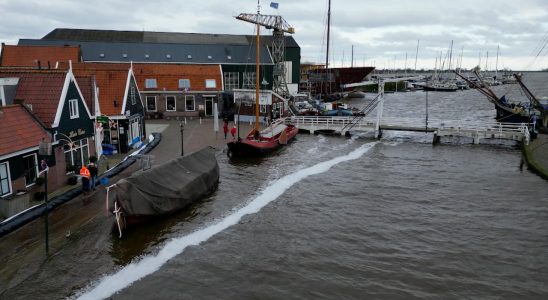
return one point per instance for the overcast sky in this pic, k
(382, 32)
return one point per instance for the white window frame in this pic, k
(78, 145)
(73, 109)
(6, 179)
(2, 97)
(174, 103)
(210, 83)
(151, 83)
(134, 131)
(155, 104)
(132, 95)
(232, 80)
(249, 80)
(190, 97)
(184, 83)
(27, 184)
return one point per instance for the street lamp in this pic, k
(182, 124)
(44, 148)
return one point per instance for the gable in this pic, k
(74, 119)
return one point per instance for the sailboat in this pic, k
(257, 142)
(327, 83)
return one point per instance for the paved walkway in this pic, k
(22, 251)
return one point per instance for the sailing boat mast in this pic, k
(257, 70)
(497, 63)
(328, 27)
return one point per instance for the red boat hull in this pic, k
(252, 146)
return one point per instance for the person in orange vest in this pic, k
(84, 172)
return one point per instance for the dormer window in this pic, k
(168, 56)
(189, 56)
(229, 57)
(147, 56)
(210, 83)
(184, 83)
(150, 83)
(102, 55)
(73, 108)
(124, 55)
(209, 57)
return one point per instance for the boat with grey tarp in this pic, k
(163, 189)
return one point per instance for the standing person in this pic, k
(93, 170)
(84, 172)
(225, 127)
(233, 132)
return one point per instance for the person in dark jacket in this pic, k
(93, 171)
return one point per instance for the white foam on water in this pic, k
(109, 285)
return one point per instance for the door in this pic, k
(209, 106)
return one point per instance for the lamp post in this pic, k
(182, 124)
(45, 169)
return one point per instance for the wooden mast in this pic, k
(257, 70)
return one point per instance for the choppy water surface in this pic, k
(338, 218)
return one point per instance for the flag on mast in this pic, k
(274, 5)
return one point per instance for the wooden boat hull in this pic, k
(251, 146)
(438, 89)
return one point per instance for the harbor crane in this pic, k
(279, 27)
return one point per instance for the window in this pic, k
(151, 103)
(231, 81)
(184, 83)
(31, 169)
(189, 103)
(150, 83)
(249, 80)
(134, 136)
(170, 103)
(132, 95)
(78, 155)
(262, 108)
(210, 83)
(73, 108)
(5, 188)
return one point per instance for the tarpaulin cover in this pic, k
(168, 187)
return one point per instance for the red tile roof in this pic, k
(29, 56)
(167, 76)
(111, 80)
(19, 130)
(40, 90)
(85, 83)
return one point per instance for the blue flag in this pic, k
(274, 5)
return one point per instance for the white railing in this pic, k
(338, 123)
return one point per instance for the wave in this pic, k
(111, 284)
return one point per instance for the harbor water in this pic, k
(335, 218)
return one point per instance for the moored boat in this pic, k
(441, 87)
(163, 189)
(257, 143)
